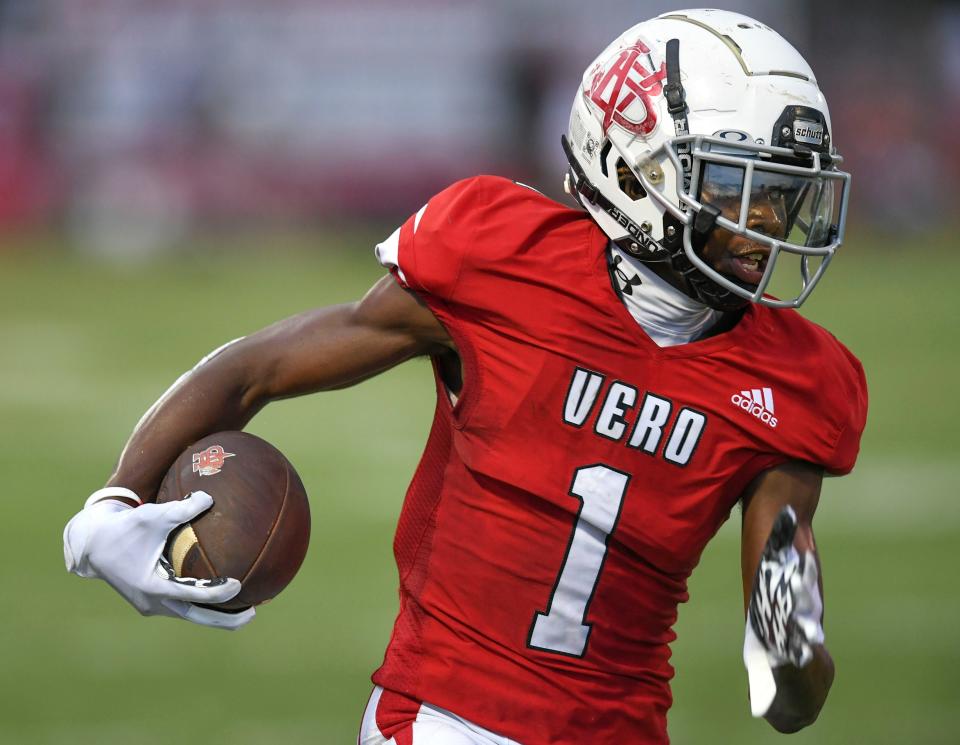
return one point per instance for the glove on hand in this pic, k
(785, 612)
(123, 546)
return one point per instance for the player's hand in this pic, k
(785, 614)
(122, 545)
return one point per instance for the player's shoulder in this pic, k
(478, 225)
(485, 204)
(810, 347)
(486, 189)
(827, 381)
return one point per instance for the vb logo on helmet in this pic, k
(622, 88)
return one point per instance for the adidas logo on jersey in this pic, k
(756, 401)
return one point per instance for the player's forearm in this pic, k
(801, 692)
(212, 397)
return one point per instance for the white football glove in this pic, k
(785, 614)
(123, 545)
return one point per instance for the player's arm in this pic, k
(789, 668)
(322, 349)
(120, 534)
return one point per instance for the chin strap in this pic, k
(706, 218)
(695, 283)
(677, 106)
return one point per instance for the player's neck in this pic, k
(668, 316)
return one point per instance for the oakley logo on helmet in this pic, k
(622, 88)
(809, 133)
(758, 402)
(733, 135)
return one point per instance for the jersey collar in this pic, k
(668, 316)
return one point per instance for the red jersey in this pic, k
(560, 505)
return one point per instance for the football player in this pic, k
(611, 382)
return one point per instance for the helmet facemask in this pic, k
(777, 203)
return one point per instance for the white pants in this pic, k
(432, 726)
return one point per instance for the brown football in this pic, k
(259, 526)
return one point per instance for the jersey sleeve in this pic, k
(451, 247)
(426, 253)
(809, 393)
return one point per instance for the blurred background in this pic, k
(175, 174)
(127, 124)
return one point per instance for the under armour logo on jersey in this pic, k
(758, 402)
(626, 283)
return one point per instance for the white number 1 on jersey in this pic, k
(562, 627)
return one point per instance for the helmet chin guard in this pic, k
(745, 176)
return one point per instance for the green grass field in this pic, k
(87, 347)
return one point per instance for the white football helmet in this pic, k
(697, 121)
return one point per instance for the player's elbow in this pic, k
(235, 375)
